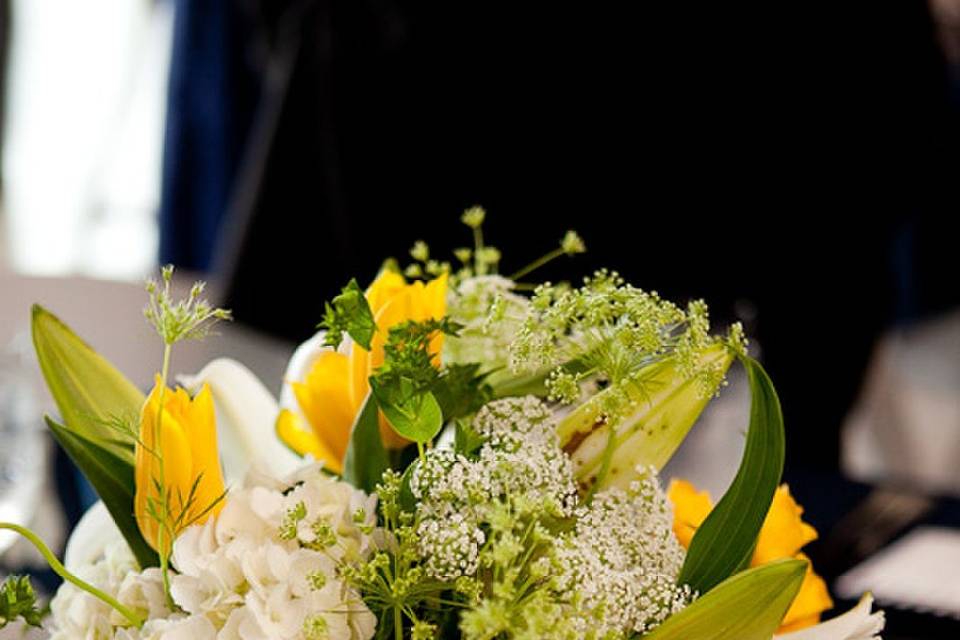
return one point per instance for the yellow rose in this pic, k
(333, 390)
(783, 534)
(182, 457)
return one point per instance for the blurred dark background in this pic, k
(792, 165)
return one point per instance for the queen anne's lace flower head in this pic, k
(620, 564)
(521, 459)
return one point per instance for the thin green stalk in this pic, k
(536, 264)
(397, 623)
(423, 455)
(161, 526)
(477, 239)
(61, 571)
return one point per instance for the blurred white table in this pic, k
(109, 316)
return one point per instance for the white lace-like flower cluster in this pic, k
(521, 458)
(491, 314)
(621, 562)
(266, 568)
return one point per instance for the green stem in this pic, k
(423, 455)
(161, 526)
(397, 622)
(536, 264)
(478, 265)
(61, 571)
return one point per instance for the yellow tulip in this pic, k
(180, 454)
(783, 534)
(333, 391)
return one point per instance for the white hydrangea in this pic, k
(620, 564)
(265, 568)
(77, 614)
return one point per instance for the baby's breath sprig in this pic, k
(188, 319)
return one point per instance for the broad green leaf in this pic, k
(366, 459)
(668, 404)
(747, 606)
(90, 393)
(415, 415)
(725, 540)
(113, 480)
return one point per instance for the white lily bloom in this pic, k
(90, 538)
(860, 623)
(246, 412)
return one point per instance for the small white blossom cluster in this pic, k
(521, 458)
(620, 564)
(265, 568)
(491, 315)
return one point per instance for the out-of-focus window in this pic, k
(83, 131)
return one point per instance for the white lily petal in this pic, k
(246, 412)
(857, 624)
(93, 534)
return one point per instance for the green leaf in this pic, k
(408, 501)
(668, 404)
(19, 600)
(747, 606)
(466, 441)
(366, 459)
(90, 393)
(461, 390)
(415, 415)
(113, 480)
(349, 312)
(725, 540)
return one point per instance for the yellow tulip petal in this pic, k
(812, 600)
(323, 396)
(435, 298)
(387, 284)
(690, 509)
(186, 442)
(294, 433)
(784, 533)
(202, 434)
(172, 446)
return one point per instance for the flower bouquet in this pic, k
(456, 454)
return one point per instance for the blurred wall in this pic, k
(84, 110)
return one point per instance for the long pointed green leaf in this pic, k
(366, 459)
(112, 478)
(90, 393)
(747, 606)
(725, 540)
(668, 404)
